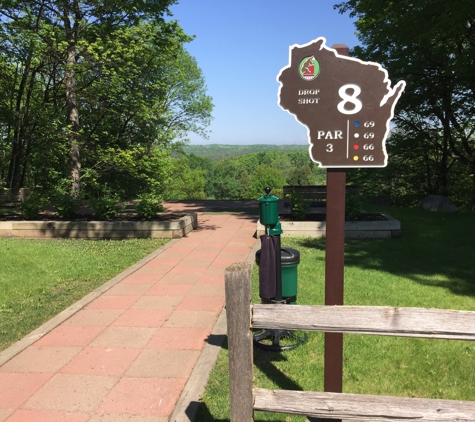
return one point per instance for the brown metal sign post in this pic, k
(347, 105)
(334, 267)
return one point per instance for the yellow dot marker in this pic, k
(355, 158)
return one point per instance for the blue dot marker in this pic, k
(357, 124)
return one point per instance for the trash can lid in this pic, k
(268, 198)
(288, 256)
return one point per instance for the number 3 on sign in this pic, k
(352, 99)
(329, 147)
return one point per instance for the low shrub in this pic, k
(148, 207)
(353, 206)
(106, 206)
(31, 206)
(299, 206)
(66, 206)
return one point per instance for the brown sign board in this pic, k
(345, 103)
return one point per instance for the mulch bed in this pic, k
(51, 216)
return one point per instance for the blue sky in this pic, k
(241, 46)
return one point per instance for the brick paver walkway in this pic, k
(127, 355)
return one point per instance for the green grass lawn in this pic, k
(431, 265)
(40, 278)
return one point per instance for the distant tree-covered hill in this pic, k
(219, 151)
(235, 172)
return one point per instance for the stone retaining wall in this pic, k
(353, 229)
(100, 229)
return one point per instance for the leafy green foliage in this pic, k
(65, 205)
(299, 206)
(31, 206)
(265, 175)
(431, 45)
(132, 90)
(246, 176)
(148, 206)
(353, 206)
(130, 172)
(216, 152)
(300, 176)
(106, 205)
(185, 182)
(225, 183)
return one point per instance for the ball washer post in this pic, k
(261, 337)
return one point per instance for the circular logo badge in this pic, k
(309, 68)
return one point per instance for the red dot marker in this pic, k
(356, 146)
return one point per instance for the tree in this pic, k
(431, 45)
(149, 96)
(226, 180)
(185, 182)
(197, 162)
(130, 173)
(92, 80)
(300, 176)
(263, 176)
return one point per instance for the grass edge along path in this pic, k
(431, 265)
(41, 278)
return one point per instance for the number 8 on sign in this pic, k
(358, 105)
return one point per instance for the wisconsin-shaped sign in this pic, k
(345, 103)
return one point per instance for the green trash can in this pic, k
(290, 258)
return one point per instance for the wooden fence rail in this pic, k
(242, 316)
(378, 320)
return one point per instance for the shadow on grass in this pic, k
(265, 362)
(198, 411)
(435, 249)
(205, 415)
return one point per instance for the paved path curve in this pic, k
(139, 349)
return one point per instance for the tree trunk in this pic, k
(72, 112)
(72, 118)
(22, 111)
(17, 142)
(444, 169)
(472, 168)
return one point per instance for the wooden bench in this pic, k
(242, 316)
(13, 196)
(316, 195)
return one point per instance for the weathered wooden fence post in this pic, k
(238, 312)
